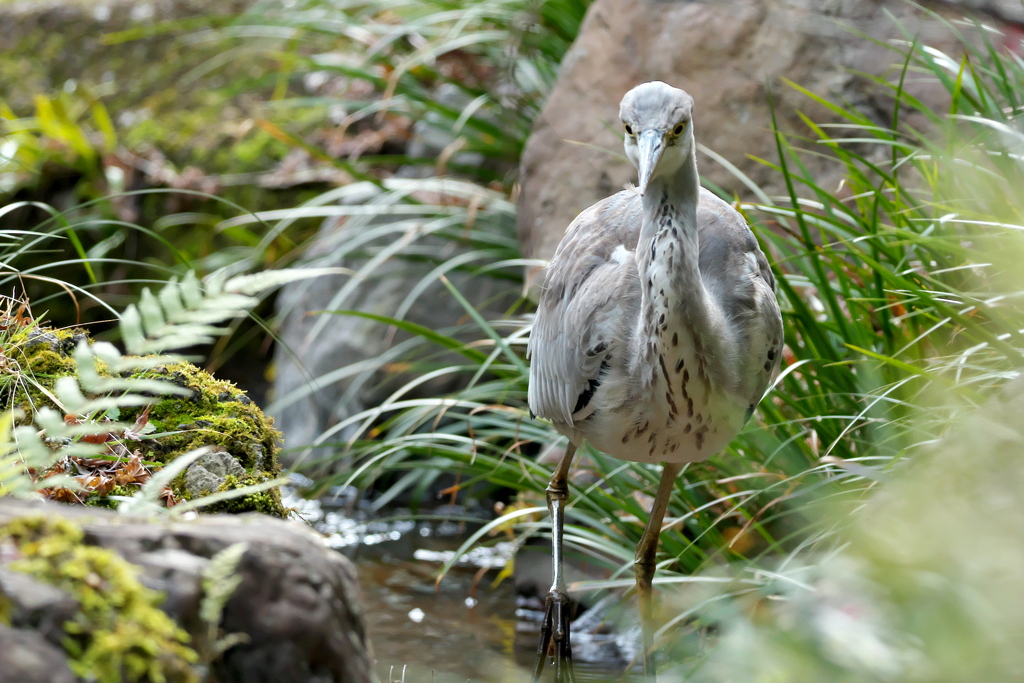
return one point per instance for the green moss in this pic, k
(216, 413)
(268, 502)
(6, 609)
(38, 358)
(49, 364)
(108, 501)
(119, 633)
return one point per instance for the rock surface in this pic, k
(206, 474)
(27, 657)
(722, 53)
(37, 605)
(297, 601)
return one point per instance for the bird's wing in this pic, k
(737, 276)
(590, 290)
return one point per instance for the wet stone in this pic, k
(207, 473)
(221, 463)
(179, 379)
(27, 657)
(198, 424)
(227, 396)
(258, 455)
(297, 602)
(200, 481)
(253, 450)
(36, 605)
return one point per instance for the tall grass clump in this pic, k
(915, 585)
(903, 321)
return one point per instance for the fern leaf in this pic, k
(170, 299)
(131, 330)
(257, 283)
(220, 579)
(191, 291)
(93, 382)
(152, 313)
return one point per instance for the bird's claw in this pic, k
(554, 638)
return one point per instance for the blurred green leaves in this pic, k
(71, 129)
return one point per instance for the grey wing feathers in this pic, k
(736, 273)
(589, 291)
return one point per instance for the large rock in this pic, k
(722, 53)
(297, 602)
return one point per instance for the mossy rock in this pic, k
(215, 414)
(119, 632)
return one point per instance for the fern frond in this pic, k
(188, 313)
(182, 314)
(23, 449)
(220, 579)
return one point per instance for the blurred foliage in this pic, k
(470, 76)
(911, 585)
(67, 132)
(922, 588)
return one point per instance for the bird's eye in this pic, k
(678, 130)
(629, 131)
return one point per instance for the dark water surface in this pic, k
(438, 635)
(461, 628)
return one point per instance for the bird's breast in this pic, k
(675, 415)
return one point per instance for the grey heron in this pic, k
(657, 334)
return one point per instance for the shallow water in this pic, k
(438, 635)
(461, 629)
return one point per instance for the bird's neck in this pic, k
(674, 321)
(668, 239)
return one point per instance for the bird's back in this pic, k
(584, 372)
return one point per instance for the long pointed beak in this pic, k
(650, 145)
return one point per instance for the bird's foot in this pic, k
(554, 638)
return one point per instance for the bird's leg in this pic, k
(554, 630)
(643, 563)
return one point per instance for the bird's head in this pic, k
(658, 122)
